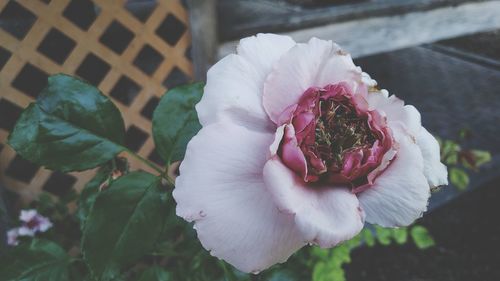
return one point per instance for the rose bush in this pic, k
(299, 146)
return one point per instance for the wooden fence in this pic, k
(131, 50)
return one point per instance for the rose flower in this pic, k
(299, 146)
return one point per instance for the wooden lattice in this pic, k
(132, 50)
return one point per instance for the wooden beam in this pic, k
(381, 34)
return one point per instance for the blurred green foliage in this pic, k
(460, 160)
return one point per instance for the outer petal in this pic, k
(235, 83)
(12, 236)
(221, 189)
(263, 50)
(44, 224)
(435, 171)
(25, 231)
(325, 216)
(396, 111)
(400, 194)
(232, 83)
(27, 215)
(317, 63)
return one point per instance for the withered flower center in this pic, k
(338, 130)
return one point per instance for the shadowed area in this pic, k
(467, 242)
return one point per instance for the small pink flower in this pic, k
(299, 147)
(32, 223)
(12, 237)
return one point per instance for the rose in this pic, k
(298, 147)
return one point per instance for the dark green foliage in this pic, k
(102, 179)
(459, 178)
(124, 224)
(460, 160)
(155, 273)
(38, 260)
(71, 127)
(89, 194)
(175, 121)
(421, 237)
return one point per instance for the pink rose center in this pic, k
(330, 136)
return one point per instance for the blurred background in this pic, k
(443, 56)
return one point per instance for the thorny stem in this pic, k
(152, 166)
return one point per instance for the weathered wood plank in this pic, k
(239, 18)
(380, 34)
(203, 23)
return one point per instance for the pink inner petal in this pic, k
(302, 153)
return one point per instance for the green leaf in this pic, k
(329, 268)
(383, 235)
(452, 159)
(241, 276)
(89, 194)
(320, 253)
(421, 237)
(71, 127)
(45, 202)
(282, 275)
(341, 254)
(354, 242)
(175, 121)
(228, 273)
(400, 235)
(368, 237)
(328, 271)
(39, 260)
(124, 224)
(459, 178)
(319, 271)
(449, 150)
(481, 157)
(48, 247)
(155, 273)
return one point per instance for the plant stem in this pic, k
(143, 160)
(166, 176)
(151, 165)
(169, 180)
